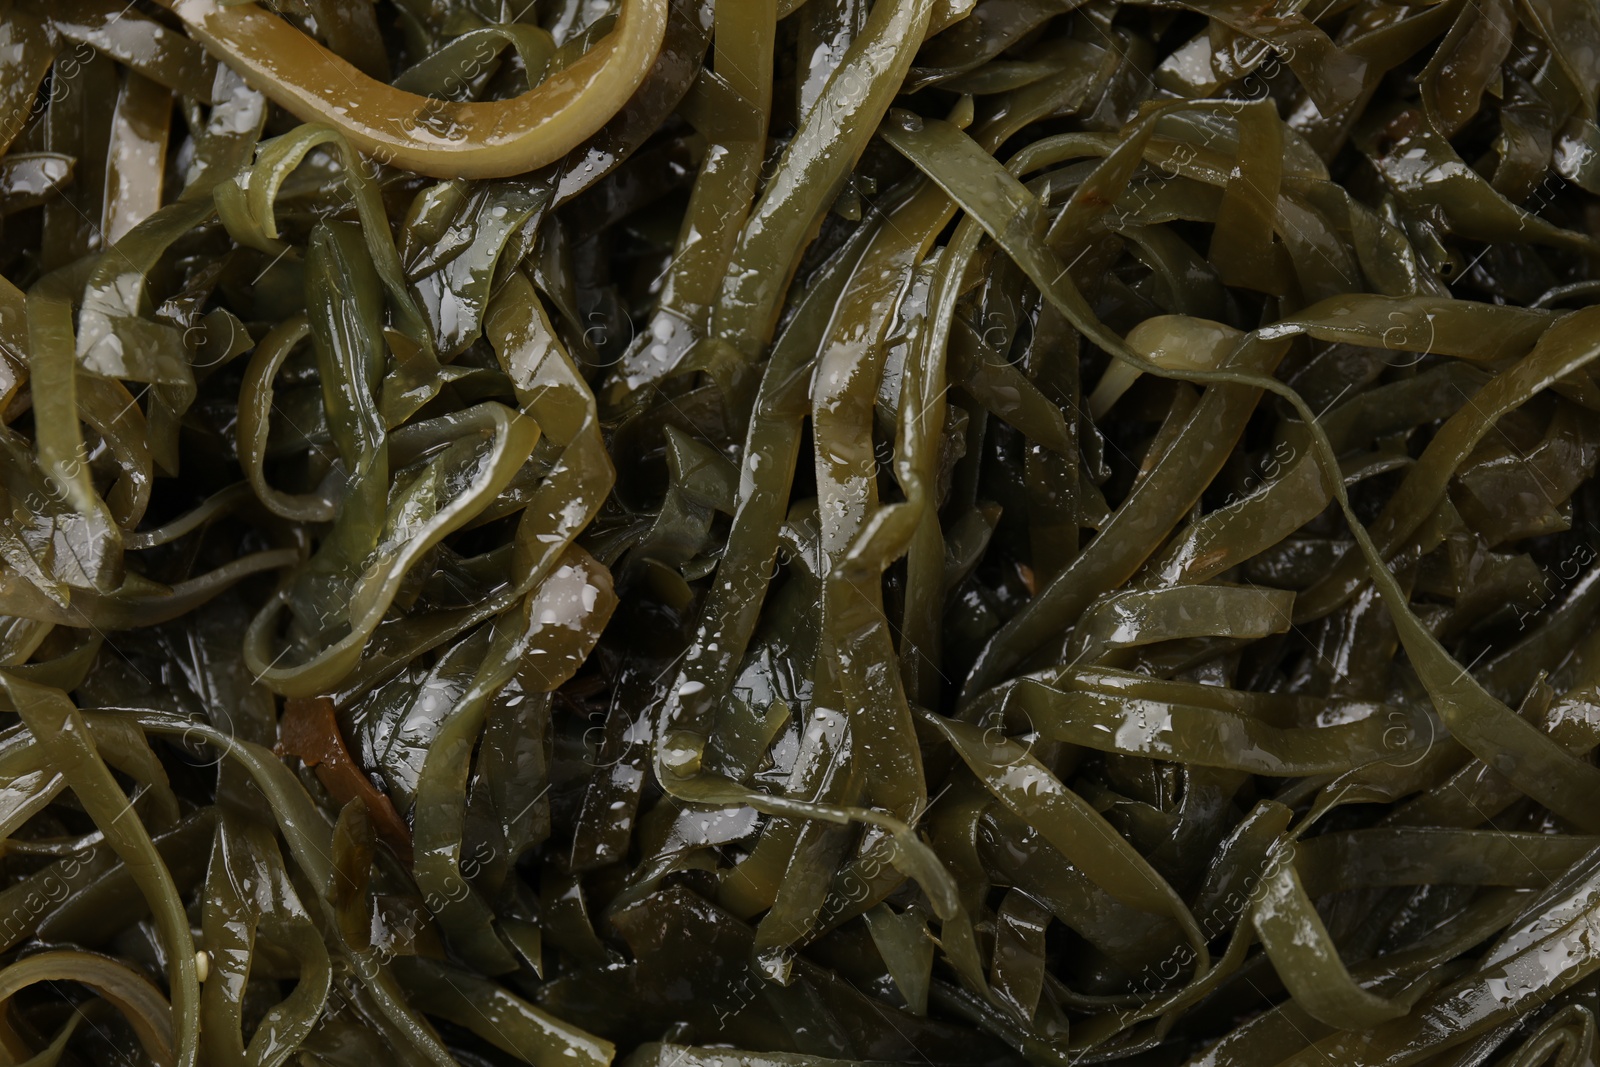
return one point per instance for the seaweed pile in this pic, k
(789, 532)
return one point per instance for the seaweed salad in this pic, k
(793, 533)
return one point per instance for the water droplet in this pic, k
(908, 121)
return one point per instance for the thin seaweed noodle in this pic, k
(794, 532)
